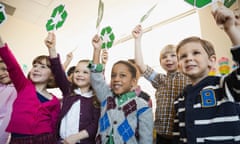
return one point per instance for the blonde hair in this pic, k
(170, 48)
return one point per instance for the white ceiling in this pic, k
(83, 13)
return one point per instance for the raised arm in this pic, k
(50, 42)
(15, 71)
(137, 35)
(230, 21)
(56, 66)
(68, 60)
(96, 42)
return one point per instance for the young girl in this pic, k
(80, 110)
(125, 118)
(7, 95)
(35, 110)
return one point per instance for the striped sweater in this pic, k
(209, 111)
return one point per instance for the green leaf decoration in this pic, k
(100, 13)
(144, 17)
(108, 37)
(3, 16)
(57, 19)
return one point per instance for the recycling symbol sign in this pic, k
(3, 15)
(57, 19)
(203, 3)
(107, 37)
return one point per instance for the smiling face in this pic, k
(194, 61)
(4, 75)
(168, 58)
(81, 75)
(123, 78)
(41, 72)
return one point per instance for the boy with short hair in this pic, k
(207, 111)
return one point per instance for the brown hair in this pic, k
(51, 83)
(208, 47)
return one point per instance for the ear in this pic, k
(134, 82)
(212, 61)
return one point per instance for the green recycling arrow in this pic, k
(203, 3)
(108, 37)
(57, 19)
(3, 16)
(199, 3)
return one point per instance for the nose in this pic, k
(35, 69)
(116, 78)
(189, 58)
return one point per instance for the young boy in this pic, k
(207, 111)
(167, 86)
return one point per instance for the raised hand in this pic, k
(50, 40)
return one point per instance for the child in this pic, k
(80, 110)
(125, 118)
(70, 72)
(208, 110)
(35, 110)
(167, 86)
(7, 96)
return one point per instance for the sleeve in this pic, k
(92, 128)
(176, 133)
(60, 76)
(155, 78)
(99, 85)
(145, 117)
(236, 54)
(15, 72)
(231, 82)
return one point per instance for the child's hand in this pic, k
(70, 56)
(137, 32)
(104, 56)
(97, 42)
(50, 40)
(224, 16)
(72, 139)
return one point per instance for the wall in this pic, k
(210, 31)
(25, 40)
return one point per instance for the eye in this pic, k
(173, 55)
(122, 75)
(164, 57)
(182, 56)
(196, 52)
(34, 65)
(3, 69)
(85, 72)
(44, 66)
(113, 75)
